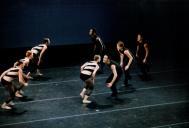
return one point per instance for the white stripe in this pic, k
(38, 47)
(34, 51)
(95, 113)
(86, 72)
(7, 78)
(89, 67)
(15, 73)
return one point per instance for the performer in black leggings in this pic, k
(114, 76)
(7, 78)
(125, 60)
(142, 55)
(88, 74)
(38, 52)
(99, 47)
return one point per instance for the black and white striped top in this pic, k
(10, 74)
(37, 49)
(24, 61)
(89, 68)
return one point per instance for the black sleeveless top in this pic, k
(141, 50)
(125, 59)
(118, 67)
(90, 66)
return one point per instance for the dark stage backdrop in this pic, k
(25, 22)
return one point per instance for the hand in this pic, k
(126, 67)
(144, 61)
(25, 84)
(28, 74)
(29, 77)
(109, 85)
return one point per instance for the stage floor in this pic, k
(162, 102)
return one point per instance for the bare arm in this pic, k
(15, 64)
(127, 53)
(94, 72)
(146, 51)
(137, 51)
(20, 78)
(41, 54)
(101, 43)
(113, 68)
(121, 59)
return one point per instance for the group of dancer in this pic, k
(102, 57)
(22, 71)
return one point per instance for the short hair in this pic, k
(28, 53)
(46, 40)
(96, 57)
(108, 55)
(120, 43)
(18, 63)
(141, 34)
(93, 30)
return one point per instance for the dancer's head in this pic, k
(46, 41)
(120, 46)
(97, 58)
(92, 32)
(106, 59)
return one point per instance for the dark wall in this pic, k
(25, 22)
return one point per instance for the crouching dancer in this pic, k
(116, 73)
(87, 74)
(7, 78)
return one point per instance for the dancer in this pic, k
(25, 61)
(99, 46)
(142, 55)
(125, 61)
(38, 52)
(88, 74)
(116, 72)
(7, 78)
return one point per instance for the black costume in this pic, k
(119, 73)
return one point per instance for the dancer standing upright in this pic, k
(99, 46)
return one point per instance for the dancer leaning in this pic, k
(7, 78)
(88, 74)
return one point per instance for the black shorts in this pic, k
(5, 83)
(84, 77)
